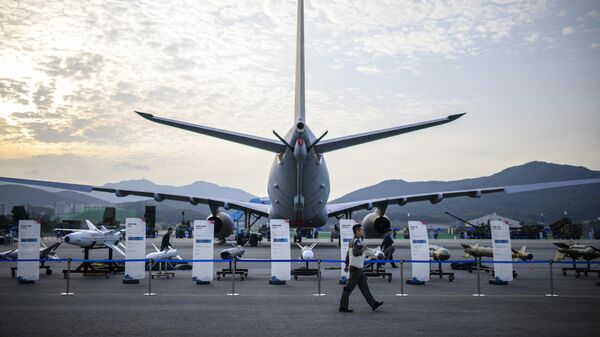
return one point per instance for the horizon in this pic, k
(526, 73)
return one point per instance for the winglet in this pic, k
(456, 116)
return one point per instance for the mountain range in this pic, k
(579, 203)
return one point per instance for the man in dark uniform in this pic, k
(355, 260)
(166, 243)
(387, 246)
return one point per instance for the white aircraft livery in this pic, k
(298, 184)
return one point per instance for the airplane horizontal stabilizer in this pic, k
(240, 138)
(560, 245)
(361, 138)
(115, 248)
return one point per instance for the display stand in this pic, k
(230, 271)
(579, 271)
(92, 269)
(163, 268)
(440, 272)
(13, 270)
(371, 271)
(304, 271)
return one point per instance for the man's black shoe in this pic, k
(394, 266)
(347, 310)
(377, 305)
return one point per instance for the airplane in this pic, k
(46, 253)
(375, 253)
(298, 185)
(438, 253)
(94, 237)
(576, 251)
(481, 251)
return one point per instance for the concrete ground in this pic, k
(108, 307)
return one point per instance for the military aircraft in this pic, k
(298, 184)
(481, 251)
(576, 251)
(94, 237)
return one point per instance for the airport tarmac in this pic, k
(180, 307)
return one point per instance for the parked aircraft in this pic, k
(298, 184)
(94, 237)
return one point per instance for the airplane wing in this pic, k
(258, 209)
(91, 226)
(254, 141)
(361, 138)
(114, 247)
(436, 197)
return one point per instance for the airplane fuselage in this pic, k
(298, 184)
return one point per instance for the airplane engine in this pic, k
(223, 224)
(375, 226)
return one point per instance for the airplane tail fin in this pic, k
(464, 245)
(157, 250)
(312, 246)
(299, 245)
(523, 249)
(299, 115)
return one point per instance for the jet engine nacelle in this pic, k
(223, 224)
(232, 253)
(375, 225)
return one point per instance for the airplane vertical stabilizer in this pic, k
(299, 103)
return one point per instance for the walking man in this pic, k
(166, 242)
(355, 260)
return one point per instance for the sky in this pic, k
(71, 74)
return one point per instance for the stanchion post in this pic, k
(150, 293)
(233, 293)
(402, 279)
(68, 292)
(478, 262)
(318, 279)
(551, 294)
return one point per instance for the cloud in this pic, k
(14, 90)
(80, 66)
(594, 14)
(127, 166)
(368, 70)
(531, 38)
(568, 30)
(43, 96)
(125, 98)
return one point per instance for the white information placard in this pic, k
(135, 232)
(29, 248)
(419, 250)
(204, 233)
(346, 236)
(502, 250)
(280, 250)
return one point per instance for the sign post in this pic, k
(280, 250)
(501, 246)
(204, 233)
(419, 251)
(29, 249)
(136, 250)
(346, 236)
